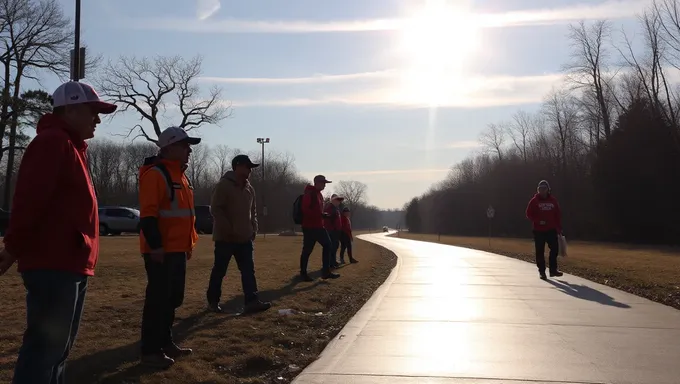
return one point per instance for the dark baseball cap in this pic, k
(243, 160)
(321, 179)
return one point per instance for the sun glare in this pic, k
(437, 43)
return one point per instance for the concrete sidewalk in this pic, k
(454, 315)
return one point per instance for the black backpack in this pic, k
(297, 209)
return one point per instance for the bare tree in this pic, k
(354, 193)
(650, 68)
(588, 67)
(520, 131)
(151, 87)
(35, 37)
(493, 139)
(222, 156)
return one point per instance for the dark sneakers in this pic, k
(353, 261)
(329, 275)
(543, 276)
(174, 351)
(256, 306)
(305, 277)
(214, 307)
(556, 274)
(157, 360)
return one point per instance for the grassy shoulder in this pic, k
(263, 348)
(650, 272)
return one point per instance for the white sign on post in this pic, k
(490, 212)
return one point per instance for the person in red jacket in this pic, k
(313, 230)
(544, 212)
(333, 224)
(346, 238)
(53, 231)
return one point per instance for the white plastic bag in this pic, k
(562, 245)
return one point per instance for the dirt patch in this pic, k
(259, 349)
(650, 272)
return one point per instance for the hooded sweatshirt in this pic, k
(54, 222)
(544, 213)
(234, 210)
(347, 226)
(312, 208)
(333, 219)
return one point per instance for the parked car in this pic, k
(385, 229)
(204, 219)
(116, 220)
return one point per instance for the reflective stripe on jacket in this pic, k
(176, 218)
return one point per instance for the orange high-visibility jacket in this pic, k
(176, 218)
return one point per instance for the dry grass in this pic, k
(649, 272)
(227, 349)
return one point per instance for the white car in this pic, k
(116, 220)
(385, 229)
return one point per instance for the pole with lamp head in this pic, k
(262, 141)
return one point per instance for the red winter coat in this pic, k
(312, 208)
(54, 223)
(544, 213)
(333, 220)
(347, 226)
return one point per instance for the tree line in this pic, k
(114, 168)
(607, 139)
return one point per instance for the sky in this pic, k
(391, 93)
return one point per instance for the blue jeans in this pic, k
(244, 255)
(311, 236)
(54, 306)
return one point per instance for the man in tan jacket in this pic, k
(234, 230)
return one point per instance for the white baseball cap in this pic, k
(172, 135)
(73, 92)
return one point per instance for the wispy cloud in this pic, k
(472, 92)
(207, 8)
(317, 78)
(611, 9)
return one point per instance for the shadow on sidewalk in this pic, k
(587, 293)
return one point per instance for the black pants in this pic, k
(345, 244)
(243, 253)
(164, 294)
(541, 238)
(311, 236)
(335, 245)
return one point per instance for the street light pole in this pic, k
(76, 48)
(262, 141)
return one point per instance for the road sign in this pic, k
(490, 212)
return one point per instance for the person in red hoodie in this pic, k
(544, 212)
(346, 238)
(313, 230)
(53, 231)
(333, 224)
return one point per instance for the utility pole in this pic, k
(262, 141)
(75, 65)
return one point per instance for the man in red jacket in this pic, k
(544, 212)
(333, 224)
(346, 237)
(53, 231)
(313, 230)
